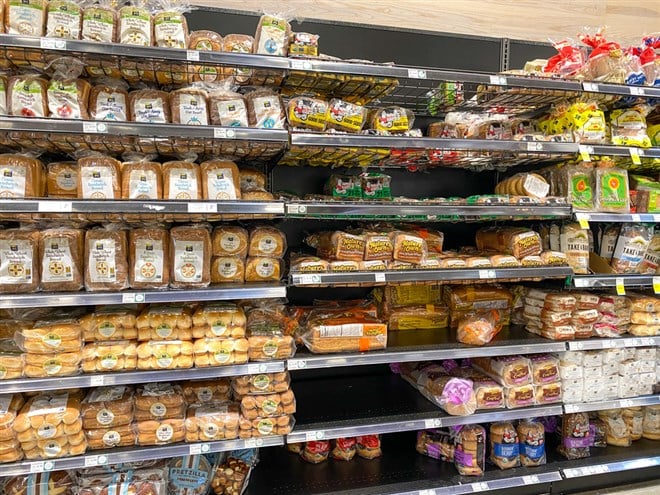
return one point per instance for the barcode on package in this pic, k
(349, 330)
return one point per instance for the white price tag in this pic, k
(499, 80)
(580, 282)
(301, 64)
(656, 218)
(314, 436)
(416, 73)
(534, 146)
(636, 218)
(379, 277)
(626, 403)
(433, 423)
(591, 87)
(430, 491)
(195, 449)
(297, 364)
(219, 133)
(97, 381)
(487, 274)
(570, 408)
(292, 209)
(103, 459)
(133, 298)
(52, 44)
(480, 487)
(91, 461)
(309, 279)
(202, 207)
(192, 55)
(37, 467)
(637, 91)
(254, 369)
(251, 443)
(531, 480)
(646, 341)
(94, 127)
(578, 346)
(55, 206)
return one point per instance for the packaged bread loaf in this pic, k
(106, 407)
(149, 258)
(212, 421)
(150, 106)
(141, 180)
(631, 246)
(160, 432)
(67, 98)
(651, 423)
(338, 246)
(135, 25)
(266, 347)
(207, 41)
(165, 355)
(61, 259)
(265, 110)
(228, 109)
(19, 260)
(203, 391)
(27, 17)
(239, 43)
(63, 19)
(106, 260)
(509, 371)
(26, 96)
(219, 320)
(307, 113)
(615, 428)
(267, 242)
(190, 256)
(261, 384)
(181, 181)
(252, 180)
(612, 190)
(517, 241)
(470, 450)
(504, 446)
(158, 401)
(220, 351)
(479, 327)
(62, 180)
(102, 357)
(230, 241)
(109, 323)
(99, 178)
(531, 435)
(391, 120)
(220, 180)
(575, 436)
(436, 443)
(170, 26)
(188, 106)
(268, 405)
(418, 317)
(108, 100)
(171, 322)
(344, 116)
(408, 248)
(272, 36)
(99, 22)
(22, 177)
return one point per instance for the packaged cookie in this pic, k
(272, 36)
(207, 41)
(149, 258)
(190, 256)
(99, 22)
(231, 477)
(62, 251)
(181, 181)
(106, 260)
(19, 260)
(103, 357)
(135, 25)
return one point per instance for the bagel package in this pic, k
(470, 450)
(504, 446)
(531, 435)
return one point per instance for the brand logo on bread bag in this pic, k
(8, 173)
(13, 248)
(266, 104)
(149, 247)
(99, 246)
(149, 106)
(183, 176)
(189, 249)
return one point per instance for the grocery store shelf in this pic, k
(134, 454)
(611, 150)
(421, 211)
(133, 377)
(647, 400)
(141, 207)
(427, 345)
(370, 404)
(618, 217)
(339, 279)
(212, 293)
(598, 281)
(402, 471)
(595, 344)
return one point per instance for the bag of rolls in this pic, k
(158, 401)
(219, 320)
(190, 256)
(120, 355)
(267, 334)
(12, 364)
(220, 351)
(165, 355)
(261, 384)
(19, 260)
(162, 432)
(110, 324)
(56, 335)
(10, 448)
(107, 407)
(202, 391)
(165, 323)
(268, 406)
(260, 427)
(212, 421)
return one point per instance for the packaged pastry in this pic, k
(344, 449)
(307, 113)
(268, 405)
(265, 110)
(19, 260)
(208, 41)
(158, 401)
(108, 100)
(408, 248)
(22, 177)
(162, 432)
(141, 180)
(531, 435)
(190, 256)
(149, 258)
(150, 106)
(181, 181)
(67, 98)
(188, 106)
(261, 384)
(479, 328)
(99, 22)
(99, 178)
(212, 421)
(436, 443)
(219, 320)
(228, 109)
(470, 450)
(504, 446)
(517, 241)
(575, 436)
(231, 477)
(344, 116)
(202, 391)
(368, 446)
(172, 322)
(220, 180)
(109, 323)
(631, 246)
(102, 357)
(165, 355)
(135, 26)
(62, 180)
(26, 18)
(272, 36)
(26, 95)
(263, 270)
(509, 371)
(229, 241)
(106, 260)
(220, 351)
(107, 407)
(267, 242)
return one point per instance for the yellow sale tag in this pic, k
(634, 154)
(583, 220)
(584, 153)
(656, 285)
(620, 287)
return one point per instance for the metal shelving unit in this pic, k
(618, 343)
(134, 454)
(648, 400)
(617, 217)
(212, 293)
(607, 281)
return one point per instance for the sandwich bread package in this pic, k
(22, 176)
(328, 333)
(106, 259)
(504, 445)
(268, 334)
(62, 252)
(62, 180)
(190, 256)
(149, 258)
(99, 178)
(220, 180)
(181, 181)
(141, 180)
(19, 260)
(575, 436)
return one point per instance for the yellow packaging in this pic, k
(654, 133)
(412, 295)
(307, 113)
(427, 317)
(587, 122)
(629, 128)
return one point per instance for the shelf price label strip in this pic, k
(649, 400)
(611, 467)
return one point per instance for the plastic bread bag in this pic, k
(578, 186)
(307, 113)
(504, 446)
(479, 328)
(231, 475)
(303, 45)
(612, 190)
(569, 59)
(48, 483)
(26, 96)
(265, 109)
(108, 100)
(226, 107)
(67, 94)
(344, 449)
(531, 435)
(651, 261)
(368, 447)
(239, 43)
(64, 18)
(135, 24)
(391, 120)
(150, 106)
(206, 41)
(316, 452)
(344, 116)
(436, 443)
(109, 356)
(587, 123)
(604, 61)
(170, 25)
(212, 421)
(629, 127)
(188, 106)
(631, 247)
(272, 35)
(27, 18)
(99, 22)
(470, 450)
(19, 260)
(189, 475)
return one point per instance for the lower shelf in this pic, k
(402, 471)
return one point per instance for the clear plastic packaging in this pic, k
(265, 109)
(470, 450)
(345, 117)
(391, 120)
(102, 357)
(272, 35)
(612, 190)
(316, 452)
(531, 435)
(268, 405)
(631, 247)
(106, 260)
(64, 19)
(504, 446)
(99, 22)
(190, 256)
(19, 260)
(368, 446)
(109, 323)
(162, 432)
(219, 320)
(135, 24)
(159, 401)
(208, 41)
(172, 322)
(260, 427)
(203, 391)
(107, 407)
(61, 259)
(57, 335)
(307, 113)
(220, 351)
(220, 180)
(170, 25)
(162, 355)
(265, 383)
(479, 328)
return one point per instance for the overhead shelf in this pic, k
(213, 293)
(444, 275)
(603, 281)
(135, 377)
(428, 345)
(134, 454)
(648, 400)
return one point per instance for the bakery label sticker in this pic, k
(183, 184)
(158, 410)
(111, 106)
(232, 113)
(222, 356)
(227, 268)
(261, 382)
(192, 110)
(164, 433)
(107, 329)
(143, 184)
(12, 181)
(108, 361)
(105, 417)
(111, 438)
(97, 183)
(220, 184)
(16, 262)
(98, 25)
(149, 261)
(101, 262)
(188, 261)
(57, 262)
(149, 110)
